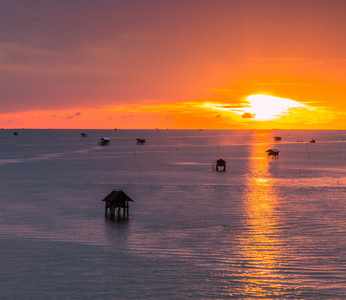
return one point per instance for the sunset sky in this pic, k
(218, 64)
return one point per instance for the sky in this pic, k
(194, 64)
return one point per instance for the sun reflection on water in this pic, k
(260, 251)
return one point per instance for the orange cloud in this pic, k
(247, 115)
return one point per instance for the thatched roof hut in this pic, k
(116, 201)
(273, 153)
(220, 165)
(140, 141)
(104, 141)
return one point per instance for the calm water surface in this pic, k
(264, 229)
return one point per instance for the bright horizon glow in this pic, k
(268, 108)
(254, 112)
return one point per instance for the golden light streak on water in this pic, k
(261, 244)
(260, 251)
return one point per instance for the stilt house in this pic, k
(115, 202)
(104, 141)
(220, 165)
(140, 141)
(273, 153)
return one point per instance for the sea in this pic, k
(265, 228)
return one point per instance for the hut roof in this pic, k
(115, 195)
(273, 150)
(221, 160)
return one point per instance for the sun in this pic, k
(268, 108)
(263, 108)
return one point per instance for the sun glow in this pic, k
(255, 112)
(267, 108)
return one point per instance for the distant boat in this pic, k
(313, 141)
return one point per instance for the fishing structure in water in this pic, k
(117, 203)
